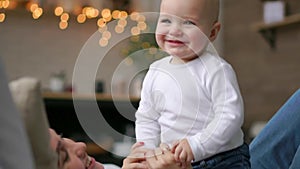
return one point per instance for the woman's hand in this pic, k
(136, 158)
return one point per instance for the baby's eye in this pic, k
(165, 21)
(187, 22)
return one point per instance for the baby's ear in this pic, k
(215, 31)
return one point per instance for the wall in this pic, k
(267, 76)
(39, 48)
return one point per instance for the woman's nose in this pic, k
(80, 149)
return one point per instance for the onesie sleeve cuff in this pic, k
(195, 148)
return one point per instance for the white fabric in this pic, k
(199, 100)
(111, 166)
(14, 145)
(27, 95)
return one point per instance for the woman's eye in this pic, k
(62, 154)
(62, 158)
(189, 23)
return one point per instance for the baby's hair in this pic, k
(214, 6)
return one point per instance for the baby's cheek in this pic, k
(159, 40)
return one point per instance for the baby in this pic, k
(191, 99)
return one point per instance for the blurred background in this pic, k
(43, 38)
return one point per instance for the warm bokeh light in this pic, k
(106, 13)
(122, 22)
(146, 45)
(142, 26)
(37, 13)
(101, 23)
(82, 13)
(135, 38)
(124, 15)
(2, 17)
(91, 12)
(58, 11)
(4, 4)
(102, 29)
(81, 18)
(141, 18)
(106, 35)
(116, 14)
(134, 16)
(64, 17)
(128, 61)
(107, 19)
(103, 42)
(33, 7)
(63, 25)
(119, 29)
(135, 30)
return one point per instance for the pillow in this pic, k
(27, 95)
(14, 145)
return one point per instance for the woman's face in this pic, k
(72, 155)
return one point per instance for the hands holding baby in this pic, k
(177, 157)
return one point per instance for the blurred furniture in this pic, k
(268, 30)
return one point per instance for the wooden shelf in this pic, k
(82, 96)
(268, 30)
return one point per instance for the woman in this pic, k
(72, 155)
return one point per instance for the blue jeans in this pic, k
(237, 158)
(277, 145)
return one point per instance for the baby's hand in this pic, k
(183, 152)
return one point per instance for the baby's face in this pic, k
(183, 28)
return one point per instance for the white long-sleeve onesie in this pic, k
(199, 100)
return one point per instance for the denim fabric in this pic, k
(234, 159)
(296, 161)
(276, 145)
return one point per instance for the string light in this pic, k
(58, 11)
(119, 29)
(2, 17)
(102, 29)
(135, 30)
(82, 14)
(63, 25)
(4, 4)
(116, 14)
(103, 42)
(64, 17)
(37, 13)
(101, 23)
(81, 18)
